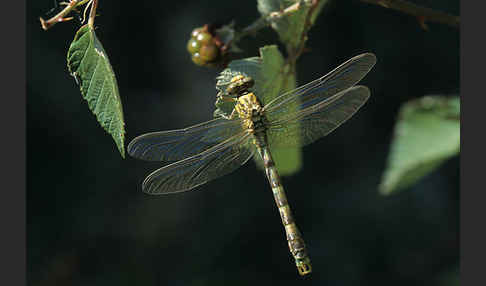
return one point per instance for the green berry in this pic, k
(196, 58)
(196, 32)
(193, 46)
(209, 52)
(204, 38)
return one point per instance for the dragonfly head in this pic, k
(303, 265)
(239, 84)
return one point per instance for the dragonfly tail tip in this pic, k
(304, 266)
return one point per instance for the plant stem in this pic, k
(253, 28)
(60, 17)
(267, 20)
(295, 54)
(423, 14)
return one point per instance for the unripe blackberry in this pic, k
(196, 32)
(204, 38)
(209, 52)
(196, 58)
(193, 46)
(205, 47)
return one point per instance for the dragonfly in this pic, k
(215, 148)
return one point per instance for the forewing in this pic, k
(213, 163)
(306, 126)
(341, 78)
(176, 145)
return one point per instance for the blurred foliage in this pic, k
(426, 134)
(90, 66)
(451, 278)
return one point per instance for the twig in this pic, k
(423, 14)
(267, 20)
(291, 9)
(61, 16)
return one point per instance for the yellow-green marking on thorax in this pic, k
(249, 109)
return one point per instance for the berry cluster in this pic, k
(203, 47)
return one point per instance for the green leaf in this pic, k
(293, 27)
(427, 133)
(278, 78)
(88, 63)
(272, 76)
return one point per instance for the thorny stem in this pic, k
(423, 14)
(61, 16)
(295, 54)
(268, 19)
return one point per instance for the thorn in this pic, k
(306, 50)
(43, 24)
(76, 78)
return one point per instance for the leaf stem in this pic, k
(92, 12)
(423, 14)
(60, 17)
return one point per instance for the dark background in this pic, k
(88, 223)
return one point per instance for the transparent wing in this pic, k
(307, 125)
(179, 144)
(213, 163)
(341, 78)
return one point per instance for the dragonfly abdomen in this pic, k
(294, 237)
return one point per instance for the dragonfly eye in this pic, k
(240, 85)
(248, 82)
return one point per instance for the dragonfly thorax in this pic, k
(250, 110)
